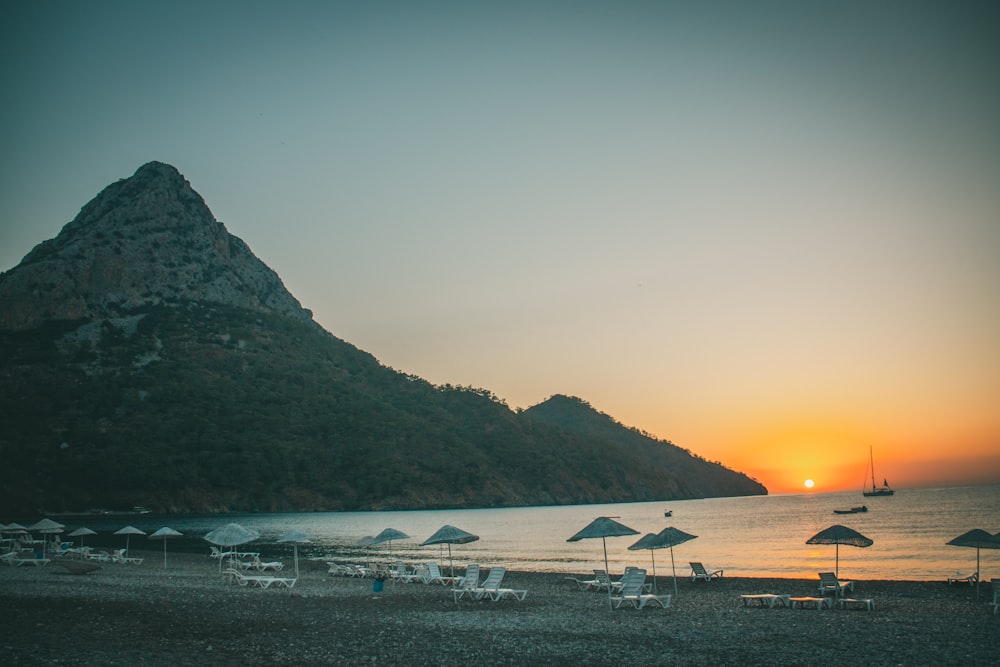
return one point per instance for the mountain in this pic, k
(147, 357)
(143, 241)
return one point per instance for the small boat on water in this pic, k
(884, 490)
(853, 510)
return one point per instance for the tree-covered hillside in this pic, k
(200, 407)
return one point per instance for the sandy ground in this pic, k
(187, 614)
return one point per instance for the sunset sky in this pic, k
(766, 231)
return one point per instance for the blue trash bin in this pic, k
(377, 586)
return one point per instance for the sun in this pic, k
(809, 483)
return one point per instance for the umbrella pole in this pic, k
(673, 568)
(652, 557)
(164, 553)
(607, 571)
(977, 574)
(295, 548)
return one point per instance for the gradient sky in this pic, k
(766, 231)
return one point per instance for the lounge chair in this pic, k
(255, 563)
(25, 557)
(633, 592)
(347, 570)
(602, 582)
(509, 594)
(698, 571)
(259, 580)
(498, 593)
(215, 553)
(491, 584)
(403, 574)
(434, 576)
(118, 556)
(970, 578)
(828, 583)
(468, 584)
(585, 584)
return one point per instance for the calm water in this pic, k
(755, 536)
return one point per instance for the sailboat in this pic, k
(884, 490)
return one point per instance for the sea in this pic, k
(756, 536)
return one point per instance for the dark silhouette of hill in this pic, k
(147, 357)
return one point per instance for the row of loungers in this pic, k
(828, 584)
(427, 573)
(631, 589)
(771, 600)
(602, 582)
(490, 589)
(467, 586)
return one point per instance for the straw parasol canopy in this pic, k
(163, 534)
(231, 535)
(667, 538)
(82, 532)
(450, 535)
(128, 532)
(838, 535)
(388, 535)
(46, 527)
(296, 538)
(978, 539)
(603, 527)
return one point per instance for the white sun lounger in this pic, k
(633, 592)
(260, 580)
(468, 584)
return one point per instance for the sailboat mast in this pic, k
(871, 463)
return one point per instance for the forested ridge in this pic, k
(148, 357)
(199, 407)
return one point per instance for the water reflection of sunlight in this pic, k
(752, 536)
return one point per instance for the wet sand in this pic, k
(187, 614)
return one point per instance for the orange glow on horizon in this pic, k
(834, 453)
(901, 472)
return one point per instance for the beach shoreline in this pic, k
(145, 614)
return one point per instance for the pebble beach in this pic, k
(186, 613)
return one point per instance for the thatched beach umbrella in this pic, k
(47, 527)
(667, 538)
(603, 527)
(231, 535)
(163, 534)
(82, 532)
(450, 535)
(128, 532)
(838, 535)
(979, 539)
(296, 538)
(388, 535)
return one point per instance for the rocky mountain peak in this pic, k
(146, 240)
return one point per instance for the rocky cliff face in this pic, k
(145, 240)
